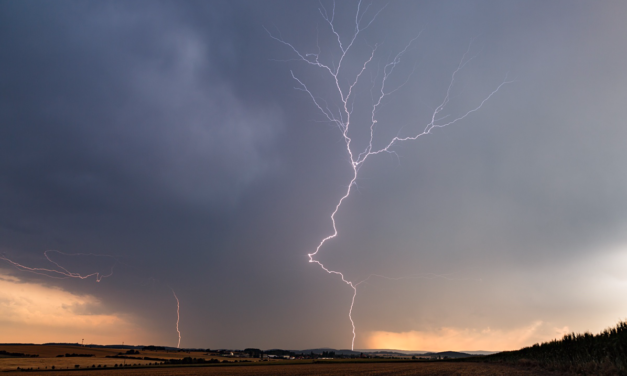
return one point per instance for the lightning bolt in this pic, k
(341, 116)
(62, 272)
(178, 316)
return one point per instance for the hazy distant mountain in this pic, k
(421, 352)
(405, 352)
(327, 349)
(393, 352)
(449, 354)
(318, 351)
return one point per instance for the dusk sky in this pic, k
(171, 137)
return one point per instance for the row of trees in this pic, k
(18, 355)
(586, 354)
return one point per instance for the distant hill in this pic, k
(422, 352)
(319, 351)
(387, 352)
(480, 352)
(450, 354)
(126, 347)
(356, 352)
(404, 352)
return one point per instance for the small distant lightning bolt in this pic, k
(178, 316)
(341, 116)
(62, 272)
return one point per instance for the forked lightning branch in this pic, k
(344, 87)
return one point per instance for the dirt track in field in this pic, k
(372, 369)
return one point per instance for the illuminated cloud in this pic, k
(466, 339)
(33, 313)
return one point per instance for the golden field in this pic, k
(370, 369)
(42, 365)
(48, 357)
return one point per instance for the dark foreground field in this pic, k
(371, 369)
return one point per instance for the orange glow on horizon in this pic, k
(34, 313)
(465, 339)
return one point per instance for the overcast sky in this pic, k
(172, 136)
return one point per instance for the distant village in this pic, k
(278, 354)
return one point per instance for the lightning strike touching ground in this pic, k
(178, 316)
(342, 116)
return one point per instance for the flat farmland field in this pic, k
(53, 356)
(370, 369)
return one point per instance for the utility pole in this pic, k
(83, 342)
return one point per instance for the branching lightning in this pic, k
(343, 114)
(62, 272)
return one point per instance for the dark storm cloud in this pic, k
(108, 105)
(118, 120)
(170, 133)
